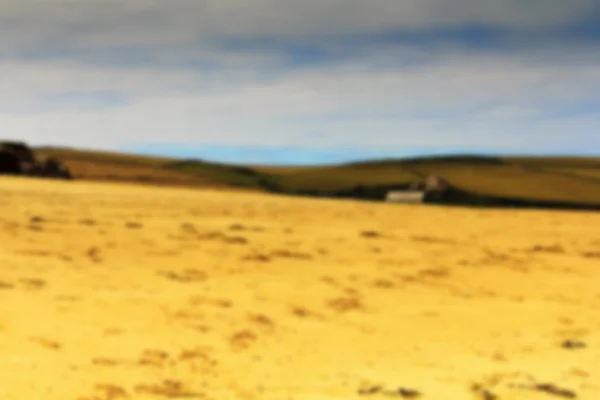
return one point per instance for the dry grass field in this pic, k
(111, 292)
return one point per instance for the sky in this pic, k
(300, 82)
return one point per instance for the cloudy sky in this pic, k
(302, 81)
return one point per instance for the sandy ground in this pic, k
(124, 292)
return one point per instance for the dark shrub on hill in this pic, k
(9, 163)
(23, 153)
(53, 168)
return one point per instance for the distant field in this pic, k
(346, 177)
(101, 166)
(101, 157)
(518, 182)
(557, 162)
(592, 173)
(542, 179)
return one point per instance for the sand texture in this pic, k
(111, 292)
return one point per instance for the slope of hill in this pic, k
(105, 166)
(536, 180)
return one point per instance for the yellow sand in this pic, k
(124, 292)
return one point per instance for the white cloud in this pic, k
(472, 100)
(157, 22)
(188, 89)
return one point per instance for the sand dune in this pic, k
(112, 292)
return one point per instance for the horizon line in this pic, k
(353, 160)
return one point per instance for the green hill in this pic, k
(570, 181)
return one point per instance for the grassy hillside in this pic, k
(557, 162)
(540, 179)
(590, 173)
(104, 166)
(346, 177)
(517, 182)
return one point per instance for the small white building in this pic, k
(432, 187)
(405, 196)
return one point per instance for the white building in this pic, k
(432, 187)
(405, 196)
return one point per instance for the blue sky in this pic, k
(272, 81)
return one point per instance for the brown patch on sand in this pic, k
(111, 391)
(591, 254)
(47, 343)
(6, 285)
(168, 388)
(189, 275)
(346, 304)
(262, 322)
(33, 283)
(154, 358)
(105, 362)
(552, 249)
(242, 340)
